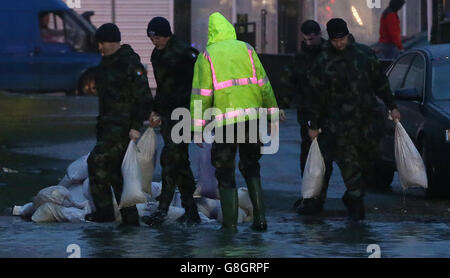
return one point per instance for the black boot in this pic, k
(157, 218)
(101, 216)
(164, 199)
(190, 216)
(355, 205)
(310, 206)
(255, 193)
(130, 216)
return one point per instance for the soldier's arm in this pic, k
(380, 84)
(140, 93)
(184, 76)
(316, 88)
(268, 97)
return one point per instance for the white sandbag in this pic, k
(207, 182)
(87, 193)
(26, 210)
(156, 189)
(57, 195)
(410, 166)
(78, 170)
(76, 193)
(132, 181)
(66, 181)
(146, 150)
(44, 214)
(314, 172)
(245, 203)
(172, 215)
(210, 207)
(50, 212)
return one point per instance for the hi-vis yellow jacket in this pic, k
(230, 77)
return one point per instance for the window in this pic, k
(441, 80)
(51, 27)
(416, 75)
(398, 72)
(63, 27)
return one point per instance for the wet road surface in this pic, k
(41, 135)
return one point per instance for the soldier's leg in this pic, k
(250, 154)
(348, 159)
(100, 185)
(304, 147)
(186, 184)
(117, 152)
(223, 158)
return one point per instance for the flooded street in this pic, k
(41, 135)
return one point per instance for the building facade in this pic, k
(271, 26)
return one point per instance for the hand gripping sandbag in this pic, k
(146, 148)
(314, 172)
(132, 181)
(410, 166)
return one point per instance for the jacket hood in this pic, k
(220, 29)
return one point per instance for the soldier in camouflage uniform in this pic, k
(311, 47)
(173, 65)
(346, 78)
(125, 102)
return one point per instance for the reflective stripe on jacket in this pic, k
(229, 76)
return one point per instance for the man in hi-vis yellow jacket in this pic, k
(229, 77)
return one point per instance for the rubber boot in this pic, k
(160, 215)
(130, 216)
(229, 203)
(104, 215)
(190, 216)
(255, 193)
(354, 201)
(310, 206)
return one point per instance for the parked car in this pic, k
(420, 80)
(45, 47)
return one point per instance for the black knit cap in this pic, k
(108, 32)
(159, 26)
(337, 28)
(310, 27)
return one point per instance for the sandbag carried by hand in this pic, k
(146, 148)
(314, 172)
(132, 181)
(410, 166)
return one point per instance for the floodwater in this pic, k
(40, 135)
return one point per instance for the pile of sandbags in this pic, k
(71, 199)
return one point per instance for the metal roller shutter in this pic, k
(132, 17)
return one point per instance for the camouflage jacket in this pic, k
(173, 68)
(344, 89)
(297, 75)
(125, 99)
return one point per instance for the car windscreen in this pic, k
(440, 79)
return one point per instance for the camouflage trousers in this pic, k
(355, 158)
(104, 167)
(176, 169)
(223, 157)
(304, 150)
